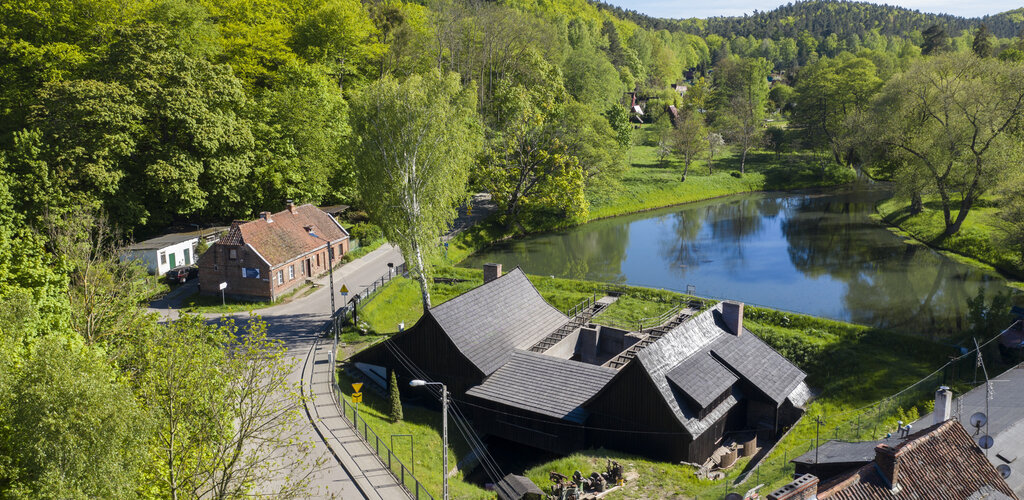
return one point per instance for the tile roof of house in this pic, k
(545, 384)
(170, 239)
(513, 487)
(490, 321)
(940, 462)
(283, 237)
(1005, 413)
(745, 356)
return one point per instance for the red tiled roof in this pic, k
(940, 462)
(284, 237)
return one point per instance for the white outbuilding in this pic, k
(163, 253)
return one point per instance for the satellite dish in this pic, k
(985, 442)
(1004, 470)
(979, 419)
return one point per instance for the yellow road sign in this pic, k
(356, 386)
(357, 397)
(344, 289)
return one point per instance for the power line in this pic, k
(488, 462)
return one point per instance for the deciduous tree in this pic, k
(955, 120)
(416, 142)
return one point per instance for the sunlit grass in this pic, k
(979, 238)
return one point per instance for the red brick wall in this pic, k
(316, 268)
(216, 267)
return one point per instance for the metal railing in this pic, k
(403, 474)
(359, 299)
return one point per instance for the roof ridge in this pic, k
(924, 435)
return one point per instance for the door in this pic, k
(309, 268)
(187, 261)
(173, 265)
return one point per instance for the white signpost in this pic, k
(223, 285)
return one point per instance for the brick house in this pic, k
(264, 258)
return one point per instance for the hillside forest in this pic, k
(118, 119)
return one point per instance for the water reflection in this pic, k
(817, 253)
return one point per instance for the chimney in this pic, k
(732, 313)
(804, 487)
(888, 464)
(291, 206)
(943, 404)
(266, 216)
(491, 272)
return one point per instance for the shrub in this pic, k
(366, 232)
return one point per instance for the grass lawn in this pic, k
(650, 183)
(978, 239)
(848, 366)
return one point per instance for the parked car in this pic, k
(182, 274)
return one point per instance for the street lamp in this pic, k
(330, 270)
(444, 429)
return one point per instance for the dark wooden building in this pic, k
(677, 399)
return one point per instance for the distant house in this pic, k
(673, 115)
(265, 258)
(940, 461)
(163, 253)
(530, 374)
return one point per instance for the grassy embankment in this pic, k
(848, 365)
(649, 183)
(978, 243)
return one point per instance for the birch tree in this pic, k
(416, 141)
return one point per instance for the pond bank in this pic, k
(975, 245)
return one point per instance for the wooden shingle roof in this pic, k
(488, 322)
(940, 462)
(669, 362)
(283, 237)
(702, 378)
(545, 384)
(513, 487)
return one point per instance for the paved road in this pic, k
(297, 324)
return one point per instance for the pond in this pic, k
(814, 252)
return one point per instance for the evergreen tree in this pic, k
(396, 398)
(982, 45)
(935, 40)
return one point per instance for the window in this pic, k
(291, 272)
(317, 259)
(280, 277)
(163, 257)
(232, 254)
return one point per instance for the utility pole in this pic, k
(817, 429)
(444, 437)
(330, 271)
